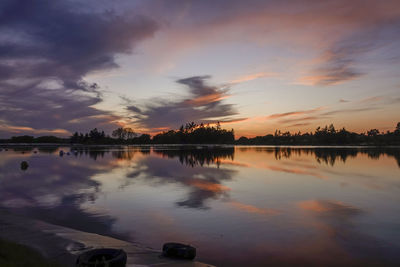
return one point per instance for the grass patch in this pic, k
(15, 255)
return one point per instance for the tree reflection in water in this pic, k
(261, 199)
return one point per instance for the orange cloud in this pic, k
(23, 129)
(253, 76)
(234, 120)
(206, 99)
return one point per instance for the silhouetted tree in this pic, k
(192, 133)
(119, 133)
(397, 131)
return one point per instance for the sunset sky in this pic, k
(255, 66)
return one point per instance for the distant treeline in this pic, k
(328, 135)
(192, 133)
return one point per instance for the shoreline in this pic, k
(63, 245)
(188, 145)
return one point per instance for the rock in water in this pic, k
(24, 165)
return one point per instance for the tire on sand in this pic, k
(103, 257)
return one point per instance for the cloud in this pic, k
(22, 129)
(340, 62)
(295, 113)
(309, 118)
(253, 76)
(206, 104)
(350, 110)
(343, 100)
(300, 124)
(372, 99)
(341, 33)
(393, 100)
(306, 117)
(47, 48)
(337, 68)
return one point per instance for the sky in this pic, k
(255, 66)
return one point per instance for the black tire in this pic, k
(103, 257)
(178, 250)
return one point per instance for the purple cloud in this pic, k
(205, 105)
(46, 49)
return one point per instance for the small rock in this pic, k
(24, 165)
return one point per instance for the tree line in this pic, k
(327, 135)
(192, 133)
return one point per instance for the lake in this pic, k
(240, 206)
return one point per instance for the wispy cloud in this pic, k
(29, 130)
(372, 99)
(300, 124)
(309, 118)
(349, 110)
(253, 76)
(295, 113)
(340, 61)
(337, 68)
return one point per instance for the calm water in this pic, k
(238, 205)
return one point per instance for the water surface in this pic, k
(238, 205)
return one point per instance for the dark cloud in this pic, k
(309, 118)
(205, 105)
(306, 117)
(46, 49)
(295, 113)
(337, 68)
(342, 59)
(299, 124)
(350, 110)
